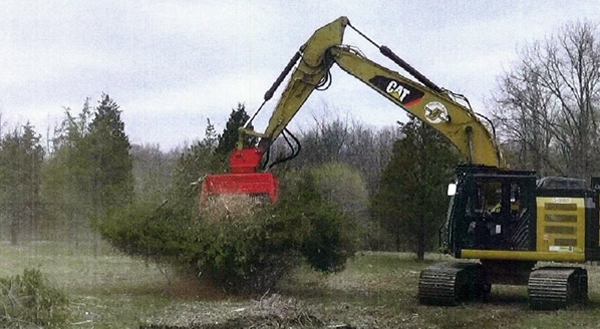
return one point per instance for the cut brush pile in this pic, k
(274, 311)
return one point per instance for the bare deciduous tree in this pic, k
(547, 105)
(347, 141)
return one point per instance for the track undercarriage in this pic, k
(557, 287)
(450, 284)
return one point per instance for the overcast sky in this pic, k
(170, 65)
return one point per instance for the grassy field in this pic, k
(377, 290)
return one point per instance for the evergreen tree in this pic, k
(230, 135)
(111, 162)
(90, 170)
(197, 160)
(411, 201)
(211, 139)
(21, 157)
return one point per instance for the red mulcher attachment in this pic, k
(243, 178)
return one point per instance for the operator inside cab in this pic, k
(484, 210)
(495, 213)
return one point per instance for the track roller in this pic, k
(557, 287)
(449, 284)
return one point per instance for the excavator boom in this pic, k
(433, 105)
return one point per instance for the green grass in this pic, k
(379, 289)
(109, 290)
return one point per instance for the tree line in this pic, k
(389, 182)
(84, 173)
(89, 169)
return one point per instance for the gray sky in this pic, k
(170, 65)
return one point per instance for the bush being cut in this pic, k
(240, 244)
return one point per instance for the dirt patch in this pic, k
(189, 287)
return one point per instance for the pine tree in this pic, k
(411, 201)
(21, 157)
(198, 160)
(111, 162)
(90, 170)
(230, 135)
(211, 139)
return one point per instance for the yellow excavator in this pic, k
(502, 221)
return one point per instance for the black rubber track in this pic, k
(450, 284)
(557, 287)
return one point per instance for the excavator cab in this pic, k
(491, 209)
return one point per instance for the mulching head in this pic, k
(243, 178)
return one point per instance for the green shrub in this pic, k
(247, 255)
(326, 243)
(242, 252)
(343, 185)
(29, 301)
(163, 234)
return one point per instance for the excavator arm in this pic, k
(459, 124)
(425, 100)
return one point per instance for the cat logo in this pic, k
(398, 89)
(436, 112)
